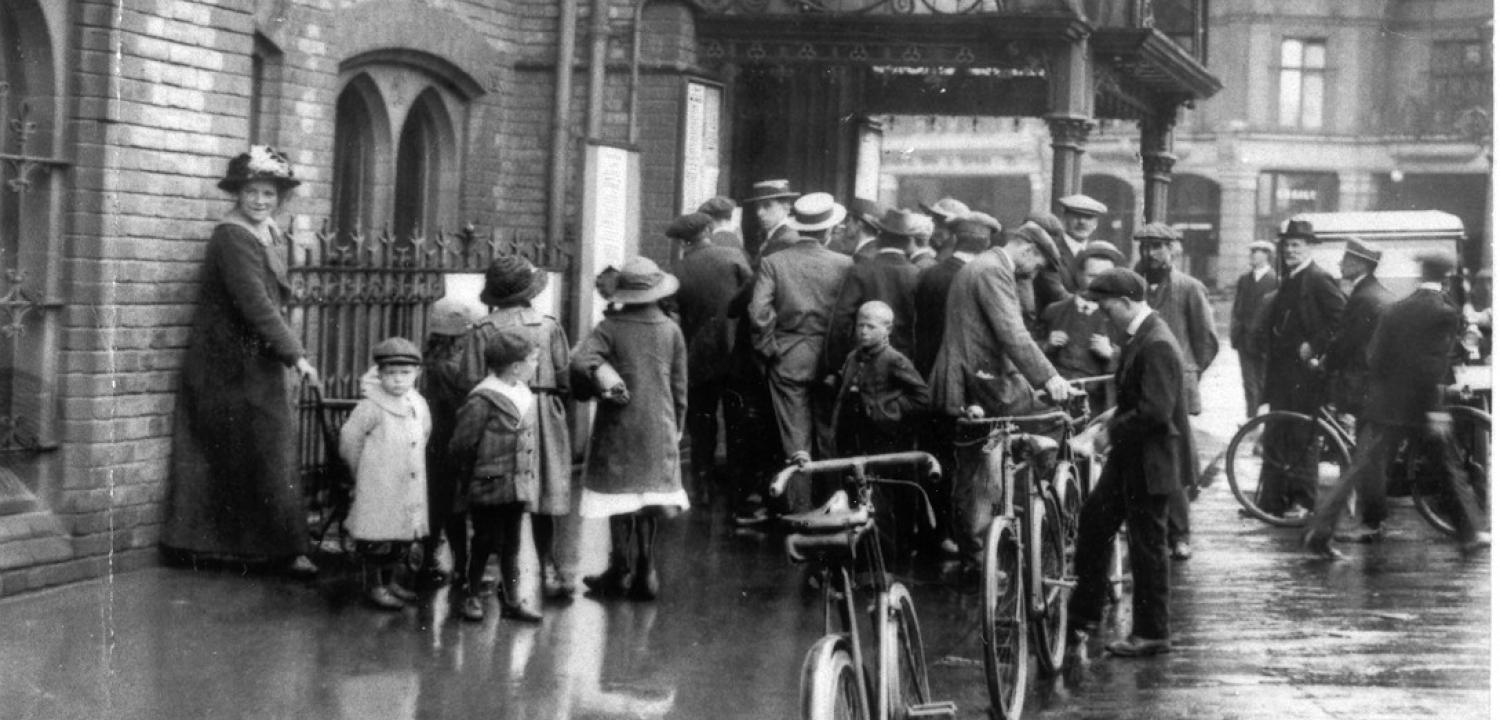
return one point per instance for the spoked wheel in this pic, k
(1067, 483)
(1005, 623)
(830, 685)
(1049, 558)
(1429, 492)
(1285, 444)
(903, 663)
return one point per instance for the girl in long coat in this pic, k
(510, 284)
(235, 491)
(635, 363)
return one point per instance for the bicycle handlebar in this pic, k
(1015, 419)
(859, 463)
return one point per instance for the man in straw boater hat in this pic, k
(1409, 357)
(510, 284)
(771, 203)
(1345, 362)
(1300, 324)
(988, 365)
(791, 311)
(1252, 293)
(710, 275)
(888, 277)
(1182, 302)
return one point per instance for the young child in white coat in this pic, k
(384, 441)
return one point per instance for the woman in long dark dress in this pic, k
(235, 492)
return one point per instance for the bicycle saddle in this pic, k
(836, 515)
(1034, 445)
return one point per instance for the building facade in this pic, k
(429, 135)
(1328, 106)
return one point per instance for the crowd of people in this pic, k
(831, 332)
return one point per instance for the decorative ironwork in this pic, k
(353, 289)
(1016, 58)
(862, 7)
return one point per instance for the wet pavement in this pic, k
(1401, 630)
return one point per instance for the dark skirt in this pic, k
(235, 490)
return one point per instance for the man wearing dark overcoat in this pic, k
(1139, 475)
(987, 366)
(886, 276)
(1410, 358)
(709, 275)
(1368, 298)
(1251, 293)
(791, 310)
(770, 202)
(1182, 303)
(970, 236)
(723, 233)
(861, 228)
(1303, 318)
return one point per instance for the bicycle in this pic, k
(835, 681)
(1330, 441)
(1028, 561)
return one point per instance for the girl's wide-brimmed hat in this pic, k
(511, 279)
(261, 162)
(639, 281)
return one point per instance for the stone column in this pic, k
(1157, 161)
(1069, 138)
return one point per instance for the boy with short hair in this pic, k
(881, 391)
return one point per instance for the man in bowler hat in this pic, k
(1345, 362)
(1303, 318)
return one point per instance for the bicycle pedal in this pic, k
(936, 709)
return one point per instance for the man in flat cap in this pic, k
(1139, 474)
(1410, 360)
(1076, 335)
(1081, 215)
(1302, 320)
(942, 212)
(1182, 302)
(709, 275)
(791, 309)
(988, 365)
(1252, 292)
(771, 203)
(1345, 361)
(723, 233)
(888, 277)
(1062, 272)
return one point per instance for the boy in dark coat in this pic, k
(1139, 475)
(880, 391)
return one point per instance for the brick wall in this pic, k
(161, 99)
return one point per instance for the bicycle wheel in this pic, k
(1004, 629)
(903, 663)
(1250, 460)
(1430, 495)
(1067, 484)
(830, 685)
(1047, 554)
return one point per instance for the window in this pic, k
(1303, 63)
(1461, 76)
(419, 168)
(354, 153)
(1280, 195)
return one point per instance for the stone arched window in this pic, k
(399, 126)
(33, 183)
(361, 141)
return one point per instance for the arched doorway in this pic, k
(1193, 208)
(1118, 226)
